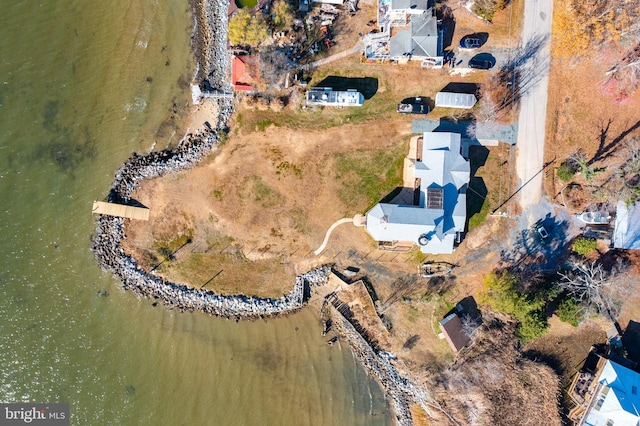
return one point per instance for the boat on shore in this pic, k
(595, 218)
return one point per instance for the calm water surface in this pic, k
(82, 85)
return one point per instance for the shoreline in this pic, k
(213, 69)
(209, 42)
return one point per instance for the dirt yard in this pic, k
(584, 114)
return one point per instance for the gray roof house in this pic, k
(441, 175)
(418, 40)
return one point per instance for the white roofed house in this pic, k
(614, 397)
(435, 222)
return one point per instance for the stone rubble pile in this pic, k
(400, 390)
(111, 257)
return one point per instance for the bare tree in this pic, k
(402, 287)
(274, 68)
(593, 287)
(469, 325)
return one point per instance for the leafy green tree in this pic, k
(238, 27)
(245, 29)
(532, 325)
(487, 8)
(570, 312)
(258, 30)
(283, 15)
(501, 293)
(566, 172)
(584, 246)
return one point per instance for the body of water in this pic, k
(82, 85)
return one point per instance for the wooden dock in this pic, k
(120, 210)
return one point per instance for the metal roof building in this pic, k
(455, 100)
(326, 96)
(616, 399)
(419, 40)
(627, 228)
(440, 215)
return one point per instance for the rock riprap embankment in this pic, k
(211, 22)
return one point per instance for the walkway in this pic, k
(328, 234)
(120, 210)
(340, 55)
(533, 107)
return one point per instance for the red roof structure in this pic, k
(243, 68)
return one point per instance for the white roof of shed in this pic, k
(455, 100)
(627, 228)
(618, 399)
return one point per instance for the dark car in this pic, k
(470, 43)
(541, 233)
(481, 63)
(413, 106)
(412, 109)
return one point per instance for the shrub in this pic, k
(569, 311)
(501, 294)
(565, 172)
(584, 246)
(532, 326)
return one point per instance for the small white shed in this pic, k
(455, 100)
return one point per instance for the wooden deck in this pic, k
(120, 210)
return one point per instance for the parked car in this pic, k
(412, 106)
(468, 42)
(481, 63)
(541, 233)
(412, 109)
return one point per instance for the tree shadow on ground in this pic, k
(448, 25)
(606, 149)
(368, 86)
(460, 87)
(476, 195)
(420, 100)
(532, 254)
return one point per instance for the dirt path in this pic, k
(355, 49)
(533, 106)
(328, 234)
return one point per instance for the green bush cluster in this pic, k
(501, 294)
(584, 246)
(569, 311)
(565, 172)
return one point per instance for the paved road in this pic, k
(533, 107)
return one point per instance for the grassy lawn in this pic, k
(366, 176)
(233, 273)
(488, 186)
